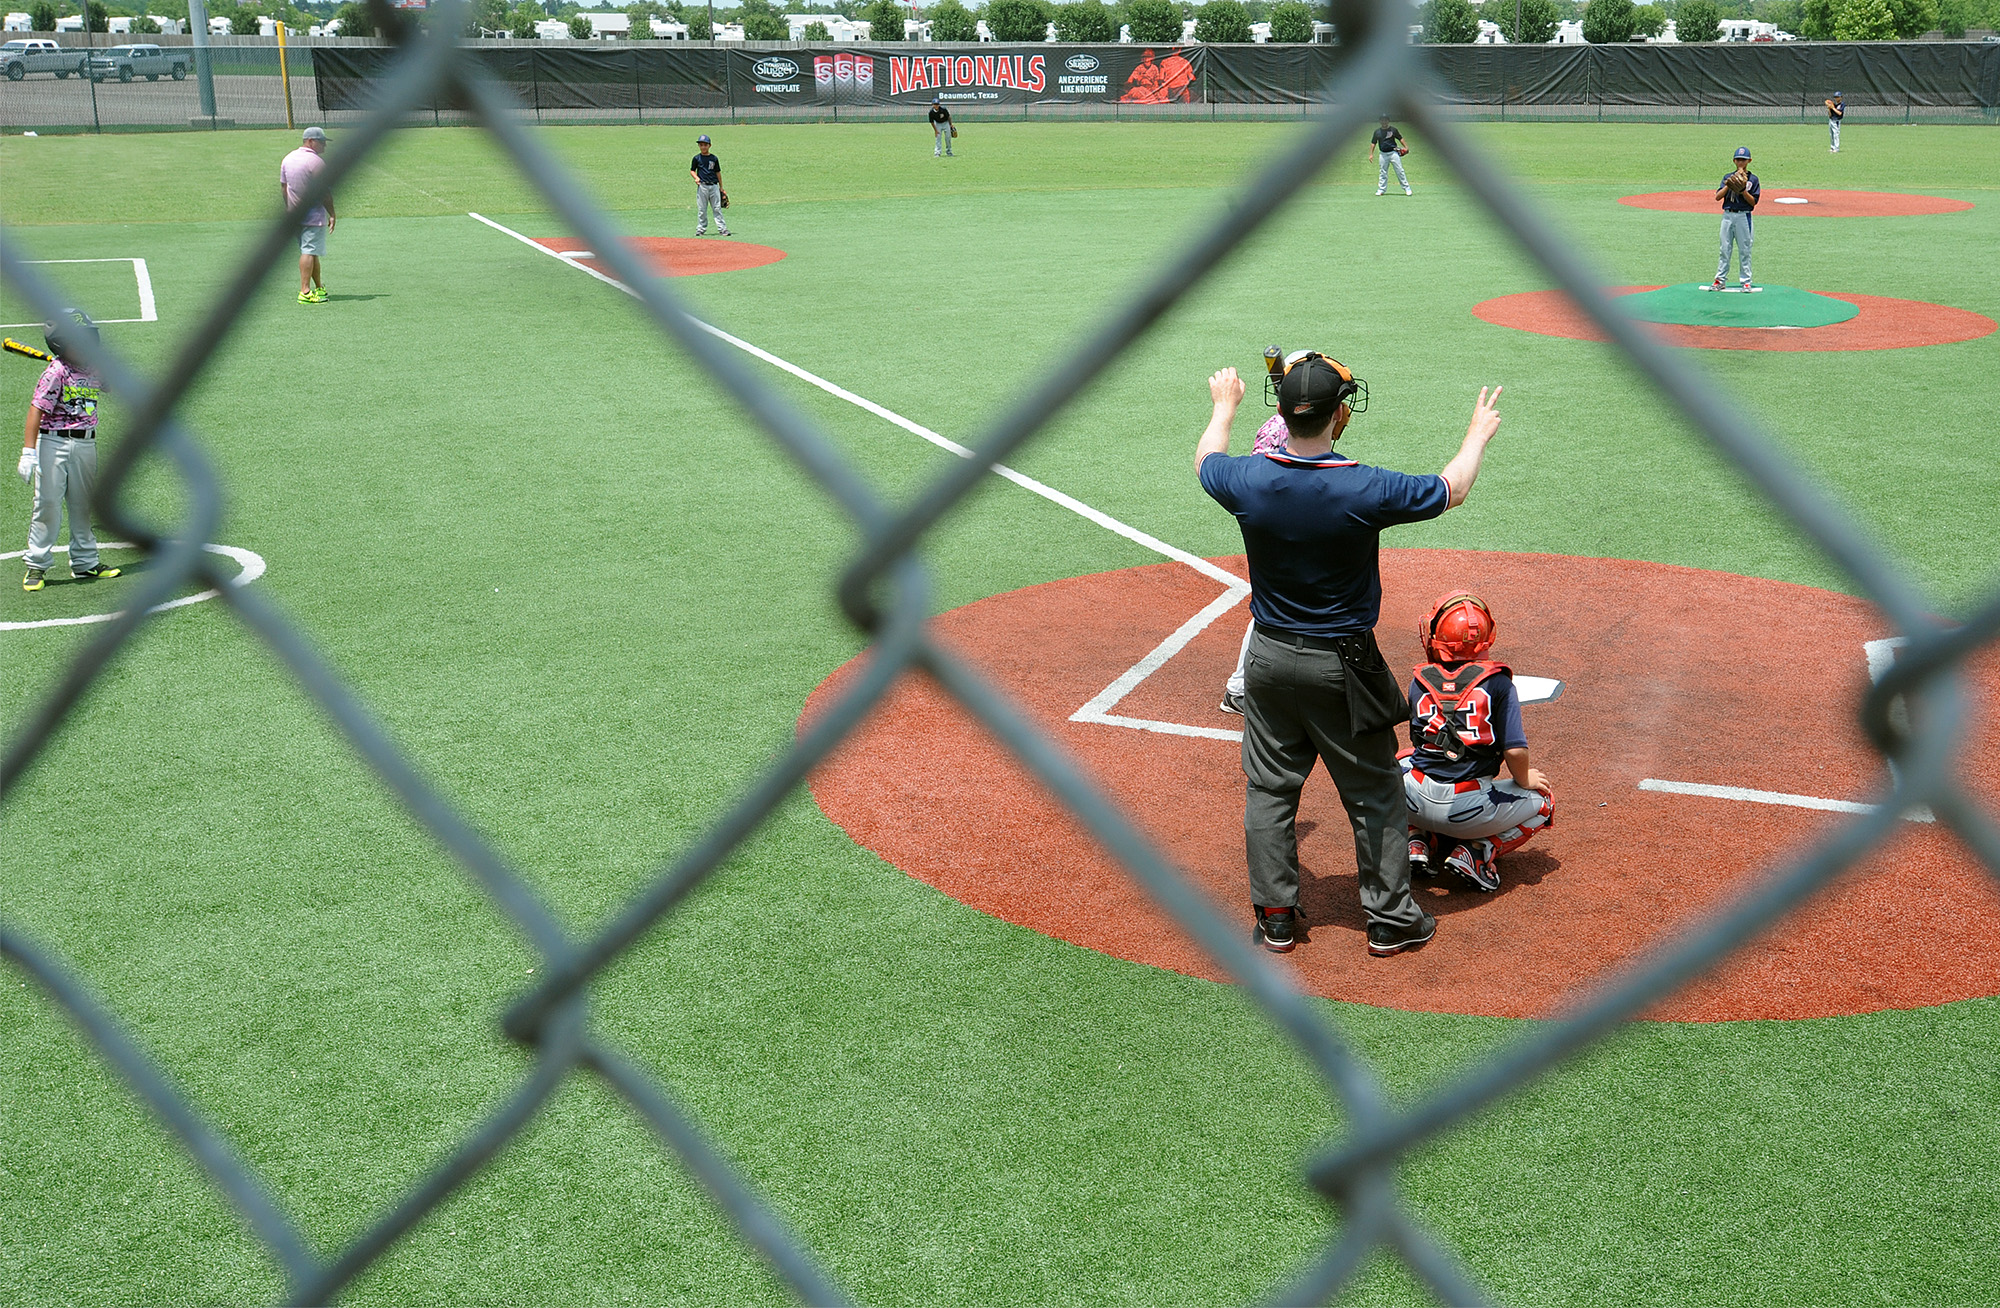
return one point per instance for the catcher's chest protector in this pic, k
(1457, 719)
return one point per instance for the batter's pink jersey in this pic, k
(296, 172)
(1270, 436)
(69, 398)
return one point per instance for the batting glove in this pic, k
(26, 467)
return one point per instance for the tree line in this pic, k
(1456, 22)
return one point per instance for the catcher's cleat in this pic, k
(1384, 940)
(1480, 873)
(92, 574)
(33, 581)
(1231, 703)
(1275, 928)
(1420, 857)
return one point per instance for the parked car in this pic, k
(19, 58)
(125, 62)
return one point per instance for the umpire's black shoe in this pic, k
(1384, 940)
(1277, 928)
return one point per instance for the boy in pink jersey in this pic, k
(295, 173)
(59, 455)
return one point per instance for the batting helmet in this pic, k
(1459, 628)
(68, 331)
(1310, 383)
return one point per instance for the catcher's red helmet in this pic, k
(1460, 627)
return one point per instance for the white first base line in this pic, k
(1098, 710)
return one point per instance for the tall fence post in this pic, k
(285, 78)
(204, 72)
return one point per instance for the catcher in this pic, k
(1465, 723)
(1389, 148)
(1739, 193)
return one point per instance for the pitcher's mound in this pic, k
(1808, 204)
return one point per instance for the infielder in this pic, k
(1836, 109)
(295, 173)
(59, 455)
(941, 129)
(1739, 193)
(1389, 149)
(1465, 721)
(706, 170)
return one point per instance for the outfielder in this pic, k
(1836, 109)
(706, 170)
(941, 129)
(1739, 192)
(1465, 721)
(1389, 149)
(59, 455)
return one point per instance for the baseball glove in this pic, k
(1734, 182)
(725, 199)
(1402, 149)
(954, 129)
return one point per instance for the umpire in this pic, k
(1315, 683)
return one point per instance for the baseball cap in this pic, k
(1314, 384)
(703, 140)
(315, 134)
(1742, 152)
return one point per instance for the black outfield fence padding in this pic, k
(1911, 716)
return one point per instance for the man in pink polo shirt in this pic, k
(294, 175)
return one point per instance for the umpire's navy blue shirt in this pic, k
(707, 169)
(1312, 530)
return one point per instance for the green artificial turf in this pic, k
(589, 597)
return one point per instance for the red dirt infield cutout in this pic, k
(1672, 673)
(1819, 204)
(1881, 324)
(679, 256)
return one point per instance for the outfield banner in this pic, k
(967, 75)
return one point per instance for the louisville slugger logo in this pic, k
(1082, 63)
(775, 70)
(930, 72)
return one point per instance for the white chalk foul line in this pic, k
(1745, 796)
(250, 561)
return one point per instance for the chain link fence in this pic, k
(1911, 714)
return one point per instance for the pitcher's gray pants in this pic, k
(1833, 130)
(68, 472)
(1295, 711)
(707, 199)
(1735, 227)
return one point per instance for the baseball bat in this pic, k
(13, 346)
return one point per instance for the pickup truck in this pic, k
(19, 58)
(125, 62)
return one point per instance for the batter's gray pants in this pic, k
(943, 132)
(1295, 711)
(67, 473)
(1735, 227)
(1382, 173)
(707, 199)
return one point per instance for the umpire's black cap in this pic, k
(1315, 384)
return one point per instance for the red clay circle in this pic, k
(1672, 673)
(680, 256)
(1819, 204)
(1881, 324)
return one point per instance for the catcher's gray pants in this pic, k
(1833, 130)
(1735, 227)
(66, 470)
(943, 133)
(1295, 711)
(1496, 808)
(707, 199)
(1388, 158)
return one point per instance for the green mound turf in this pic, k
(1692, 304)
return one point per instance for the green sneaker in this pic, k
(318, 294)
(305, 297)
(33, 581)
(92, 574)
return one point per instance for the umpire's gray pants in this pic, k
(1295, 711)
(67, 471)
(1735, 227)
(707, 199)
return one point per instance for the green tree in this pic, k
(1538, 21)
(579, 28)
(885, 20)
(1864, 20)
(98, 21)
(355, 20)
(1085, 21)
(1018, 20)
(699, 28)
(1151, 21)
(1648, 20)
(1449, 22)
(1954, 16)
(952, 21)
(1606, 22)
(762, 23)
(1816, 19)
(42, 18)
(1291, 22)
(1222, 20)
(521, 22)
(1913, 17)
(1697, 21)
(815, 31)
(243, 22)
(640, 16)
(146, 25)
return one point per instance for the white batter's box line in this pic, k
(572, 259)
(1745, 796)
(148, 310)
(1098, 710)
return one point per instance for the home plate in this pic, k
(1537, 690)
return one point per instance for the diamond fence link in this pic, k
(1911, 716)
